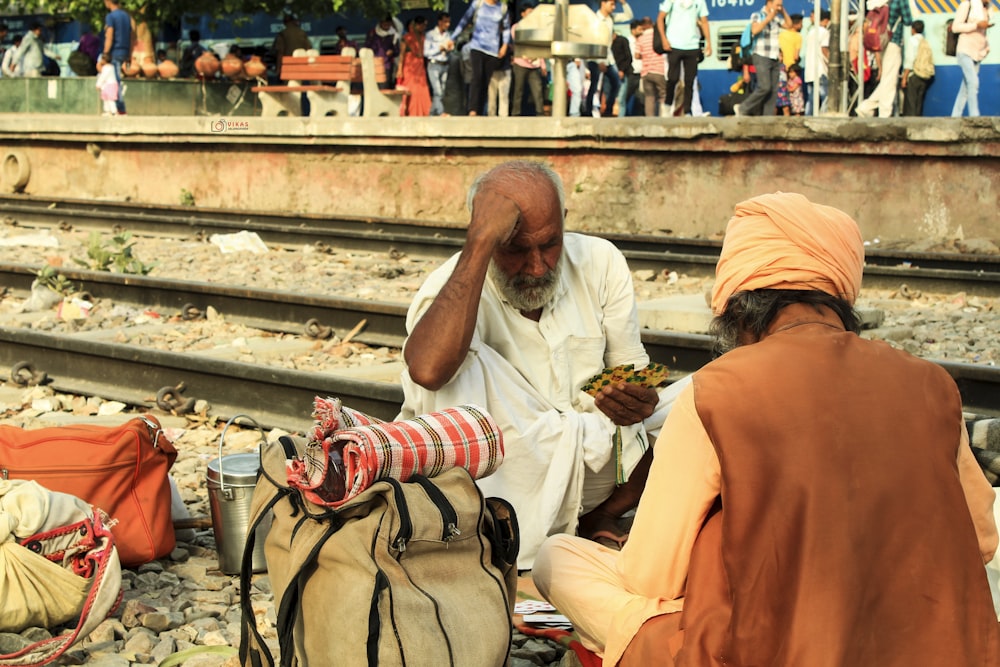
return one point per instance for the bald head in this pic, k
(520, 176)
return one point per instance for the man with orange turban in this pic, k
(812, 500)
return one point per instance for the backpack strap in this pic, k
(288, 606)
(273, 490)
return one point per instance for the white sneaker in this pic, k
(736, 109)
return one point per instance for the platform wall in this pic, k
(901, 178)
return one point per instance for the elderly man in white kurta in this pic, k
(517, 322)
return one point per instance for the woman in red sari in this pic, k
(412, 72)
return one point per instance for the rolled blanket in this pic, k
(984, 437)
(464, 436)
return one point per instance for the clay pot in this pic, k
(207, 65)
(232, 67)
(168, 69)
(254, 67)
(149, 68)
(131, 68)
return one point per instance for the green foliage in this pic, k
(157, 13)
(55, 281)
(116, 257)
(187, 199)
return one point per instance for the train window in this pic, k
(728, 40)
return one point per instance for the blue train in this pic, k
(727, 19)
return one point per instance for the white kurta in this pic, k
(528, 376)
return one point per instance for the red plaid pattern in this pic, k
(464, 436)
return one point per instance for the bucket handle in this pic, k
(222, 437)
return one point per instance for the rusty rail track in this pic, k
(977, 274)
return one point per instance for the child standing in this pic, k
(796, 95)
(107, 84)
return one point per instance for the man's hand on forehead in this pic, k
(495, 215)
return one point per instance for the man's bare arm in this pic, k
(440, 340)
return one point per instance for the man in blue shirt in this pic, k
(118, 41)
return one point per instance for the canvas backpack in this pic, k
(420, 573)
(742, 51)
(951, 38)
(876, 33)
(923, 62)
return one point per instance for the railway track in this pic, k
(884, 268)
(280, 397)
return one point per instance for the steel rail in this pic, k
(270, 310)
(884, 268)
(135, 375)
(276, 397)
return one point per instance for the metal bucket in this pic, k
(231, 480)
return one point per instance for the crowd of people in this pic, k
(26, 55)
(473, 68)
(651, 68)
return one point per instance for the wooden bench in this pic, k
(324, 99)
(377, 101)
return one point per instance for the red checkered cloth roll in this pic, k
(464, 436)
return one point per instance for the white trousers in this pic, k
(884, 94)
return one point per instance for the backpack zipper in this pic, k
(405, 531)
(449, 516)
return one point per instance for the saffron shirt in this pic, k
(613, 593)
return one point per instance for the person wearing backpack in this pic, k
(766, 26)
(884, 96)
(918, 71)
(971, 49)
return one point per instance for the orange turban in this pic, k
(784, 241)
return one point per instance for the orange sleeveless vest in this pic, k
(846, 540)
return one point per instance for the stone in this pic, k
(141, 643)
(107, 631)
(108, 660)
(159, 621)
(154, 566)
(166, 646)
(12, 643)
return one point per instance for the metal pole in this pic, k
(559, 62)
(814, 36)
(835, 90)
(862, 57)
